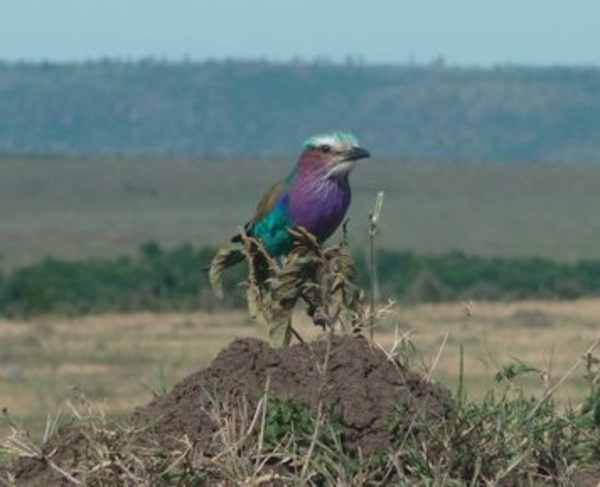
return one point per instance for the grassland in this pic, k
(83, 207)
(121, 361)
(75, 208)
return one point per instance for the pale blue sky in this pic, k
(464, 32)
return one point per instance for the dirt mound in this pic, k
(371, 402)
(361, 388)
(255, 414)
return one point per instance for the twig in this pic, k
(436, 360)
(318, 420)
(549, 392)
(373, 225)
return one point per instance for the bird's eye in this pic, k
(325, 148)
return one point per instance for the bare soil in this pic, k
(375, 404)
(373, 399)
(357, 383)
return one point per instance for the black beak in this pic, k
(356, 153)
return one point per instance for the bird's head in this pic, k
(332, 155)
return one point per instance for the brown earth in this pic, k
(372, 399)
(373, 403)
(358, 384)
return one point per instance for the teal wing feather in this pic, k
(273, 229)
(271, 221)
(268, 203)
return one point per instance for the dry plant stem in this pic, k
(436, 360)
(319, 418)
(264, 479)
(373, 222)
(565, 376)
(24, 446)
(263, 422)
(50, 427)
(27, 448)
(372, 265)
(182, 456)
(258, 414)
(296, 334)
(62, 472)
(398, 339)
(248, 242)
(513, 465)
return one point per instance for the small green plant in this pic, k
(285, 417)
(288, 418)
(513, 370)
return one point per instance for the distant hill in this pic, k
(261, 109)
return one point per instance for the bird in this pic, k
(314, 196)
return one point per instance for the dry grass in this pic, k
(549, 336)
(122, 360)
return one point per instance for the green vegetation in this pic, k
(259, 108)
(458, 276)
(155, 280)
(159, 280)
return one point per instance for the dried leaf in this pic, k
(254, 301)
(323, 278)
(280, 327)
(224, 258)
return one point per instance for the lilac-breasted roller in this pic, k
(315, 195)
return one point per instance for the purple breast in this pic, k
(319, 205)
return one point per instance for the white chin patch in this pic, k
(339, 170)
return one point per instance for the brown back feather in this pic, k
(266, 205)
(268, 202)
